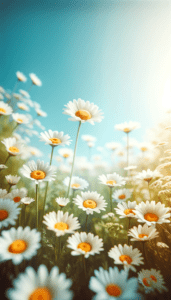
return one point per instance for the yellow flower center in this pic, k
(75, 185)
(128, 211)
(89, 203)
(16, 199)
(42, 293)
(143, 149)
(61, 226)
(122, 196)
(55, 141)
(2, 110)
(83, 115)
(111, 182)
(142, 235)
(3, 214)
(126, 130)
(17, 247)
(153, 278)
(65, 155)
(148, 179)
(85, 247)
(145, 281)
(33, 152)
(22, 107)
(113, 290)
(38, 174)
(126, 258)
(14, 149)
(151, 217)
(20, 120)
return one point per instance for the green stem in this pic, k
(59, 246)
(15, 87)
(15, 126)
(127, 152)
(37, 207)
(73, 159)
(144, 252)
(84, 266)
(7, 159)
(9, 188)
(24, 209)
(110, 192)
(47, 184)
(30, 87)
(86, 223)
(129, 222)
(56, 250)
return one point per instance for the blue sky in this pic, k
(115, 54)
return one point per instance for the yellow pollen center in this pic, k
(85, 247)
(113, 290)
(153, 278)
(148, 179)
(3, 214)
(128, 211)
(122, 196)
(66, 155)
(126, 258)
(126, 130)
(20, 120)
(41, 294)
(151, 217)
(111, 182)
(61, 226)
(38, 174)
(145, 281)
(75, 185)
(2, 110)
(142, 235)
(16, 199)
(143, 149)
(83, 115)
(55, 141)
(14, 149)
(33, 152)
(17, 247)
(89, 203)
(22, 107)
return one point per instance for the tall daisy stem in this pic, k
(47, 184)
(30, 87)
(73, 159)
(110, 192)
(144, 252)
(84, 266)
(37, 207)
(129, 222)
(6, 159)
(86, 223)
(9, 188)
(24, 210)
(127, 152)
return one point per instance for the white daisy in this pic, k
(17, 96)
(130, 168)
(152, 213)
(83, 111)
(2, 167)
(126, 256)
(35, 80)
(40, 112)
(121, 195)
(151, 280)
(112, 145)
(143, 233)
(66, 152)
(38, 124)
(1, 97)
(5, 109)
(24, 93)
(41, 285)
(21, 76)
(18, 244)
(90, 202)
(148, 175)
(3, 193)
(12, 146)
(8, 96)
(35, 151)
(12, 179)
(126, 209)
(20, 119)
(55, 138)
(113, 284)
(38, 171)
(127, 126)
(112, 180)
(17, 194)
(23, 106)
(2, 90)
(27, 200)
(162, 245)
(61, 223)
(9, 212)
(62, 201)
(90, 144)
(88, 138)
(77, 183)
(85, 244)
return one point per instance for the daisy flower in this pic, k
(148, 175)
(126, 209)
(85, 244)
(3, 193)
(41, 285)
(21, 76)
(23, 106)
(88, 138)
(112, 180)
(112, 145)
(12, 179)
(152, 213)
(20, 119)
(122, 195)
(2, 167)
(17, 96)
(90, 202)
(77, 183)
(12, 146)
(151, 280)
(130, 168)
(143, 233)
(38, 171)
(127, 126)
(90, 144)
(2, 90)
(5, 109)
(66, 152)
(62, 201)
(126, 256)
(112, 284)
(40, 112)
(9, 212)
(82, 111)
(18, 244)
(61, 223)
(27, 200)
(24, 93)
(162, 245)
(35, 80)
(8, 96)
(35, 151)
(55, 138)
(17, 194)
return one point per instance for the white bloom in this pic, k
(40, 112)
(23, 106)
(85, 244)
(127, 126)
(55, 138)
(35, 151)
(3, 193)
(148, 175)
(38, 123)
(35, 80)
(83, 111)
(151, 280)
(162, 245)
(77, 183)
(66, 152)
(1, 97)
(112, 145)
(109, 215)
(17, 194)
(5, 109)
(112, 180)
(122, 195)
(61, 223)
(12, 180)
(8, 96)
(3, 167)
(24, 93)
(41, 285)
(90, 202)
(21, 76)
(126, 209)
(130, 168)
(20, 119)
(12, 146)
(17, 96)
(2, 90)
(27, 200)
(126, 256)
(143, 233)
(64, 169)
(62, 201)
(90, 144)
(9, 212)
(88, 138)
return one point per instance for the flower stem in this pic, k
(144, 252)
(30, 87)
(37, 207)
(24, 209)
(84, 265)
(129, 222)
(86, 223)
(9, 188)
(73, 159)
(127, 152)
(7, 159)
(110, 192)
(47, 183)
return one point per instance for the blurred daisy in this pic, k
(143, 233)
(77, 183)
(65, 152)
(9, 212)
(90, 202)
(38, 171)
(90, 144)
(23, 106)
(109, 215)
(17, 96)
(62, 201)
(151, 280)
(61, 223)
(55, 138)
(38, 123)
(40, 112)
(5, 109)
(35, 151)
(8, 96)
(127, 126)
(17, 194)
(144, 147)
(112, 145)
(20, 119)
(85, 244)
(121, 195)
(2, 167)
(79, 110)
(35, 80)
(126, 256)
(130, 168)
(113, 284)
(88, 138)
(126, 209)
(162, 245)
(64, 169)
(148, 175)
(41, 285)
(2, 90)
(12, 180)
(3, 193)
(1, 97)
(27, 200)
(21, 76)
(24, 93)
(152, 213)
(12, 146)
(112, 180)
(19, 244)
